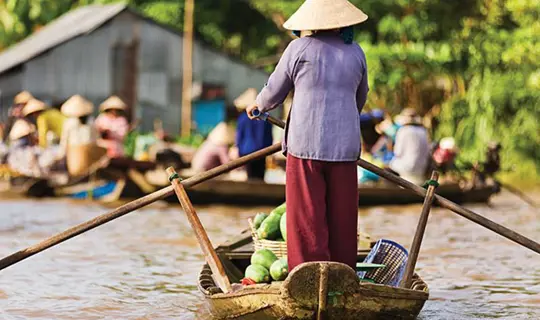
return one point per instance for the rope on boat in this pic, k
(430, 182)
(174, 176)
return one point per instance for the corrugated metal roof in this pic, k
(70, 25)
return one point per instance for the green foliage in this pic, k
(195, 140)
(473, 64)
(129, 143)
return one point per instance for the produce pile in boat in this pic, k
(272, 226)
(265, 267)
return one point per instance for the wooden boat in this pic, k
(107, 180)
(119, 178)
(25, 187)
(14, 185)
(261, 193)
(342, 295)
(126, 179)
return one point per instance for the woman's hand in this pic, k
(249, 111)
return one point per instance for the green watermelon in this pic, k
(280, 210)
(257, 273)
(283, 226)
(259, 218)
(269, 228)
(263, 257)
(279, 269)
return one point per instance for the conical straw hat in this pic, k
(325, 15)
(448, 143)
(222, 134)
(77, 106)
(246, 99)
(32, 106)
(21, 128)
(114, 102)
(23, 97)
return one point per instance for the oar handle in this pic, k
(265, 116)
(258, 114)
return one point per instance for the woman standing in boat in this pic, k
(329, 75)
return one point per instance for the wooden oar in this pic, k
(419, 234)
(132, 206)
(210, 254)
(519, 194)
(443, 202)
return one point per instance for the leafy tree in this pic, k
(472, 65)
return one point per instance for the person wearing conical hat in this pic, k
(412, 151)
(252, 136)
(328, 72)
(79, 136)
(78, 127)
(47, 120)
(112, 125)
(15, 112)
(23, 151)
(445, 154)
(215, 149)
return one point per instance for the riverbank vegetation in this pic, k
(471, 66)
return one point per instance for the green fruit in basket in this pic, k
(269, 228)
(257, 273)
(259, 218)
(279, 270)
(263, 257)
(280, 210)
(283, 226)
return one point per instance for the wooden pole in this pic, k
(210, 254)
(419, 234)
(132, 206)
(187, 68)
(443, 202)
(519, 194)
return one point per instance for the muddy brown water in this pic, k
(144, 265)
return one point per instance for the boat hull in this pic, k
(260, 193)
(298, 296)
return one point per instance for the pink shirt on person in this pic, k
(118, 128)
(210, 155)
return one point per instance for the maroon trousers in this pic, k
(322, 211)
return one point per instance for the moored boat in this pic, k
(332, 290)
(261, 193)
(127, 179)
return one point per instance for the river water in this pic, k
(144, 265)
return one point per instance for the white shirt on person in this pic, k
(411, 153)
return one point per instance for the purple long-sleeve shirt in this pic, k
(330, 85)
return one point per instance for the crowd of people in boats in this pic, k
(41, 141)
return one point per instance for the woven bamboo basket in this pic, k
(279, 248)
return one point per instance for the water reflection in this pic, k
(144, 265)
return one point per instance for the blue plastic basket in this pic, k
(393, 256)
